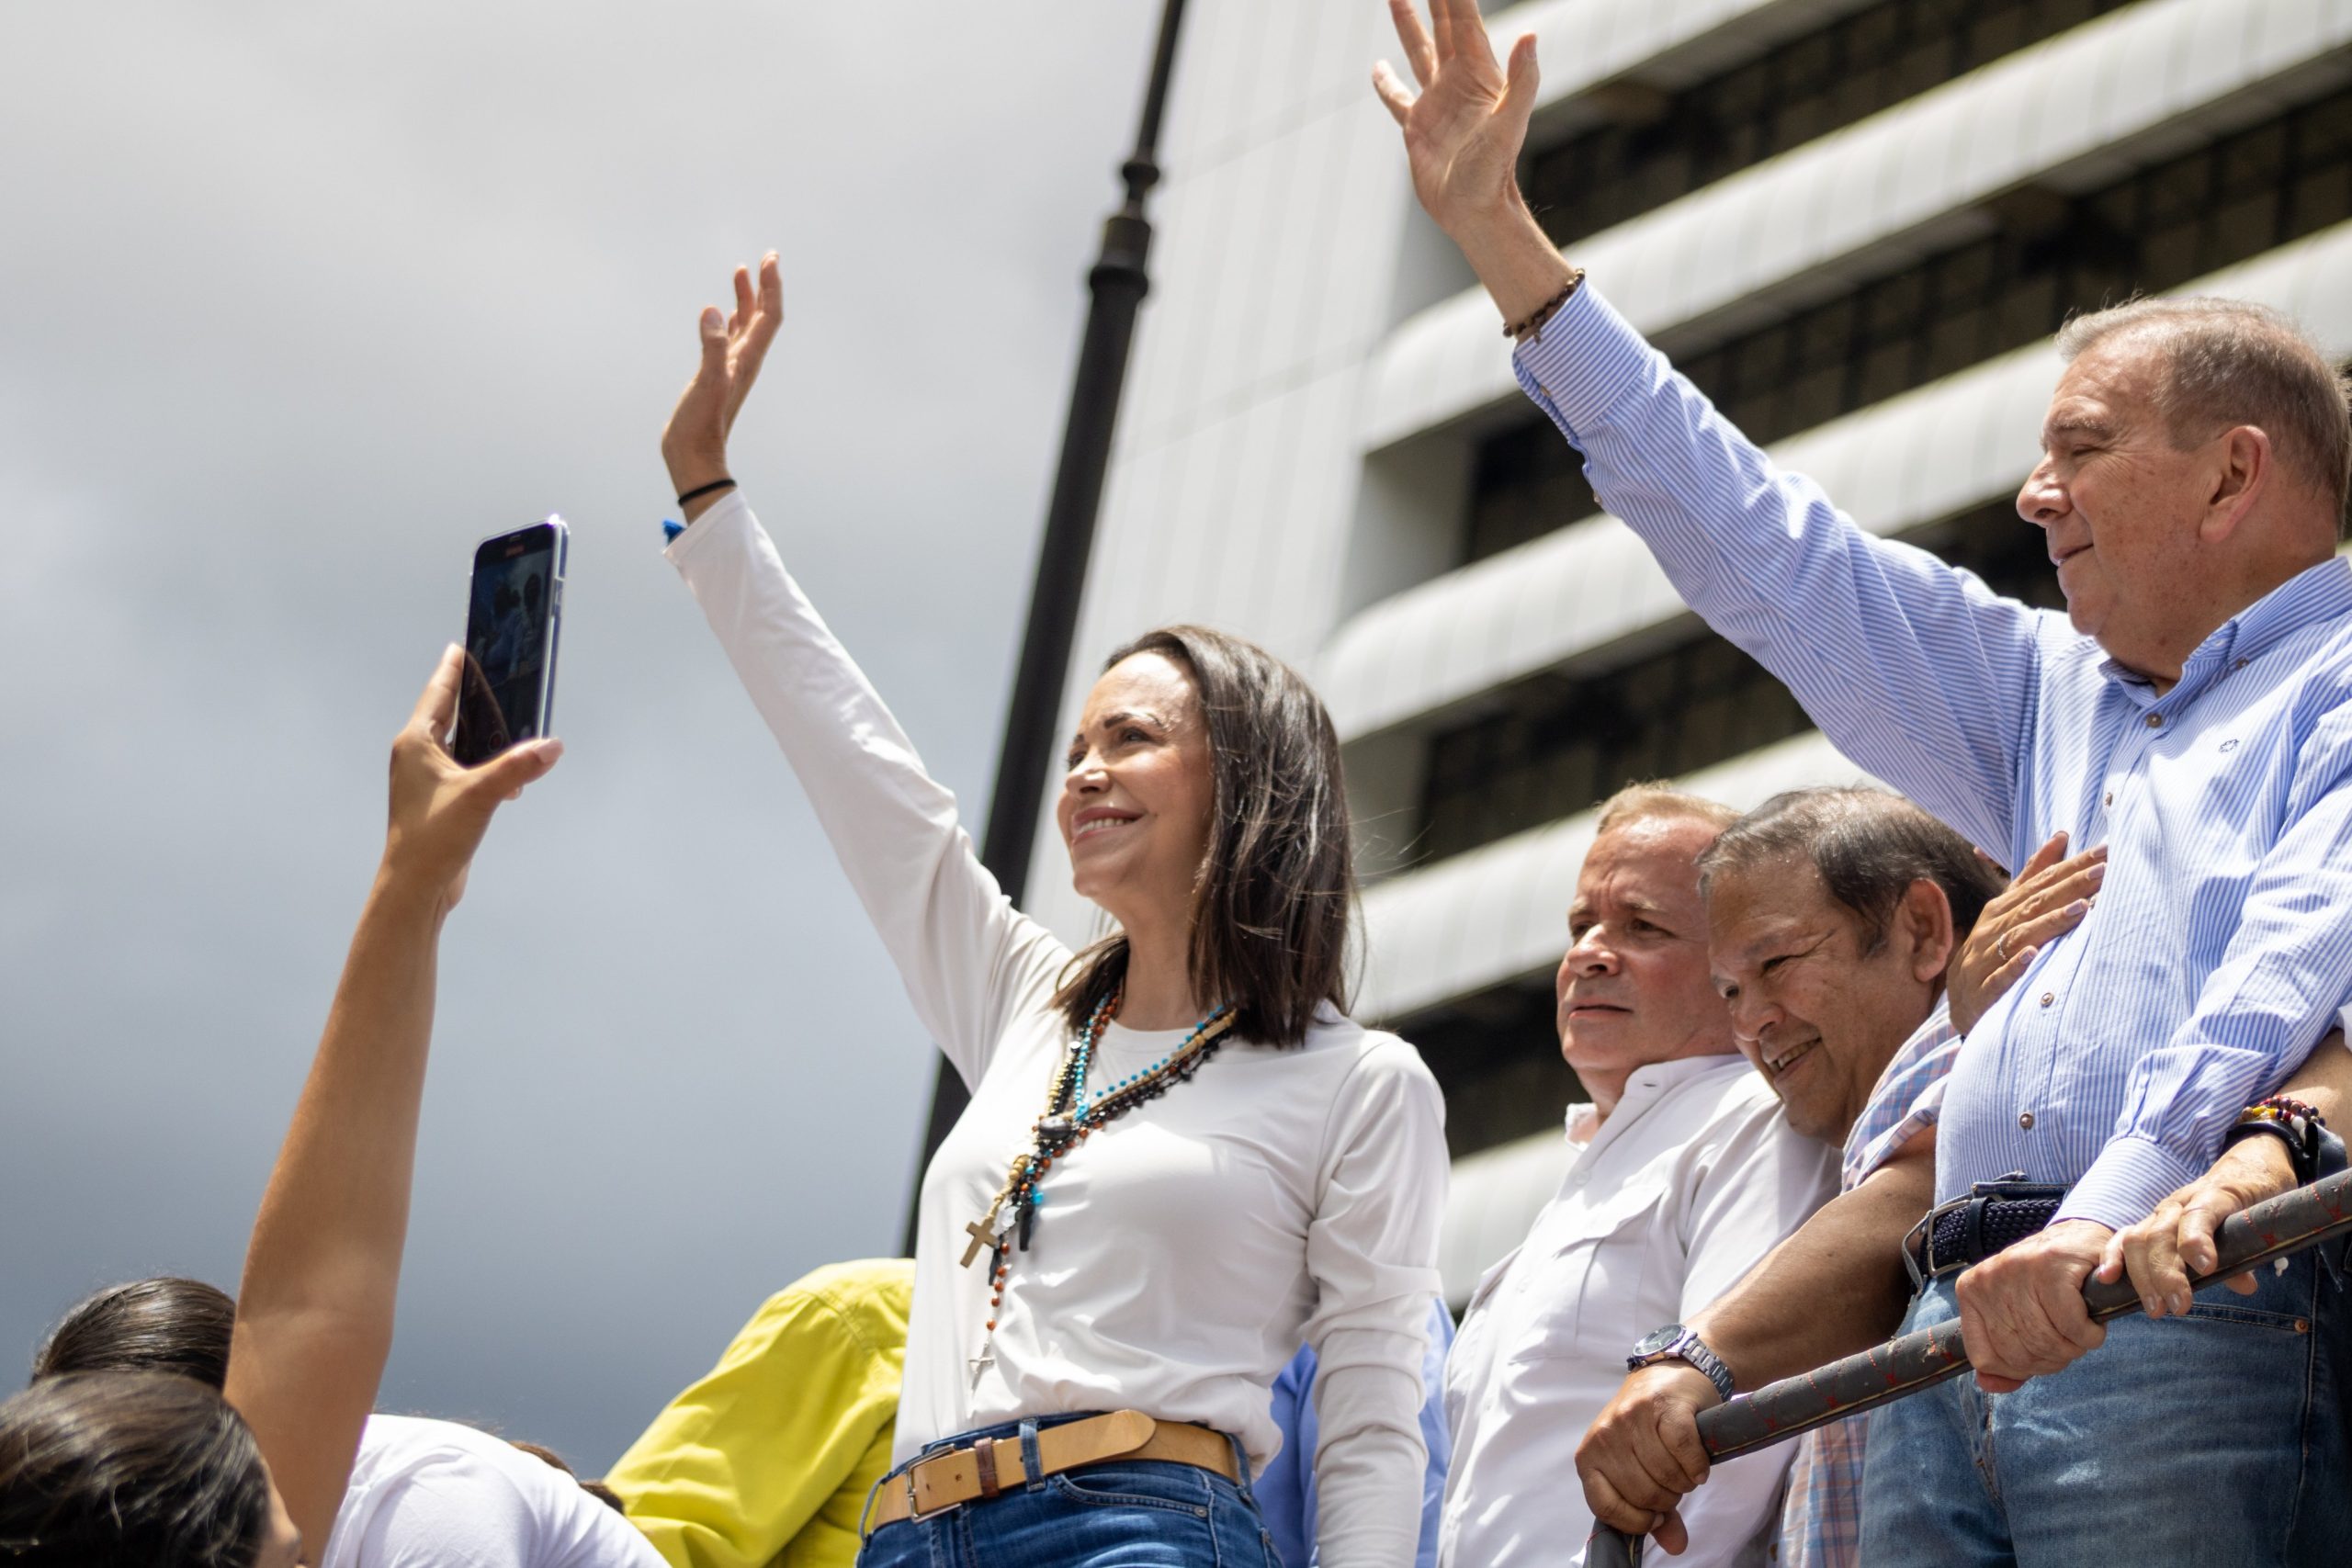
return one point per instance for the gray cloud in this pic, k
(297, 303)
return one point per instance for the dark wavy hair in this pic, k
(1274, 904)
(165, 1325)
(1868, 846)
(129, 1470)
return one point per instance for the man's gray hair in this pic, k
(2227, 363)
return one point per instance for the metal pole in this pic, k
(2291, 1223)
(1119, 283)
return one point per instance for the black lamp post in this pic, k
(1119, 283)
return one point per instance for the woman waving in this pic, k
(1181, 1159)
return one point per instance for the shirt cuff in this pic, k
(726, 511)
(1585, 361)
(2124, 1185)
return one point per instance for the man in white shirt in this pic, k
(1685, 1174)
(1835, 919)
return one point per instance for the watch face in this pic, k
(1658, 1339)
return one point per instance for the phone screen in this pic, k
(511, 622)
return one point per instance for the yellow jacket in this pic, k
(766, 1461)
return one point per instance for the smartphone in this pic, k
(514, 613)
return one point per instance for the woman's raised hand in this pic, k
(1465, 129)
(2050, 897)
(694, 444)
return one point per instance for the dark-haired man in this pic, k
(2192, 710)
(1683, 1173)
(1833, 916)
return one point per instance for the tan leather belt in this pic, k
(985, 1468)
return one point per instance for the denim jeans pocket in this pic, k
(1179, 1488)
(2250, 1317)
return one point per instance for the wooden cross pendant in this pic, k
(981, 1236)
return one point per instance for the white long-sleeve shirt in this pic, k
(1693, 1179)
(1183, 1254)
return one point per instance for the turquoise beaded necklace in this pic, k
(1069, 1119)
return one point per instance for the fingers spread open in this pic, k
(1420, 53)
(1519, 86)
(1393, 95)
(2042, 928)
(772, 286)
(744, 301)
(1442, 30)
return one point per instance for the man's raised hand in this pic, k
(694, 444)
(1462, 134)
(1463, 130)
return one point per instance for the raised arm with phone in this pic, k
(314, 1313)
(121, 1467)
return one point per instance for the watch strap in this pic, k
(1688, 1348)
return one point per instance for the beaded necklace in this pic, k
(1068, 1120)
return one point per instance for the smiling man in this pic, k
(1834, 917)
(1684, 1174)
(2192, 710)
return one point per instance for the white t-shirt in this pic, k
(438, 1495)
(1283, 1196)
(1693, 1179)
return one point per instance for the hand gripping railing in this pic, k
(2291, 1223)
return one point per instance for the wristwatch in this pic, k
(1676, 1343)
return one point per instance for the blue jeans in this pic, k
(2214, 1439)
(1119, 1514)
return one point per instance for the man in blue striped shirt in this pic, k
(2192, 711)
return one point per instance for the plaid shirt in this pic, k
(1821, 1523)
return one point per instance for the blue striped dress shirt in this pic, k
(2219, 948)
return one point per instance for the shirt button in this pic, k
(2049, 997)
(2025, 1120)
(1583, 1177)
(2110, 798)
(2156, 721)
(2239, 665)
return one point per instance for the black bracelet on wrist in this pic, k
(700, 491)
(2301, 1136)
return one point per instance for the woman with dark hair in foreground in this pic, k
(1181, 1159)
(154, 1469)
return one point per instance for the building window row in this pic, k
(1660, 145)
(1560, 741)
(2049, 256)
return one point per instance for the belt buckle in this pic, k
(1919, 1241)
(916, 1512)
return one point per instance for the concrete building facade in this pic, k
(1854, 223)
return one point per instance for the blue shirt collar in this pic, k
(2313, 597)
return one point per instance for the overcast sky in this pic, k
(299, 301)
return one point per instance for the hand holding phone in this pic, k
(514, 615)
